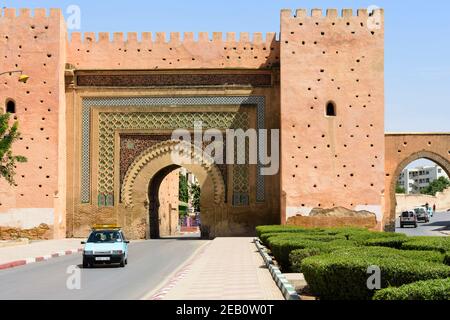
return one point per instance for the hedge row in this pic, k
(441, 244)
(438, 289)
(282, 247)
(322, 240)
(343, 275)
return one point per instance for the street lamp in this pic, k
(22, 78)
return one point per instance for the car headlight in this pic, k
(88, 252)
(117, 252)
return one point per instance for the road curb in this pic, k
(283, 284)
(17, 263)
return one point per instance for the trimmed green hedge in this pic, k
(278, 229)
(447, 258)
(342, 275)
(282, 244)
(384, 252)
(390, 242)
(441, 244)
(438, 289)
(281, 247)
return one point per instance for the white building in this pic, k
(414, 179)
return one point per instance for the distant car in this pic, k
(105, 245)
(408, 218)
(422, 214)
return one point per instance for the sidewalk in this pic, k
(227, 269)
(43, 249)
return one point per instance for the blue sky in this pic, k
(417, 41)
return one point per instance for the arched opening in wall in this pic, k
(174, 204)
(421, 204)
(10, 106)
(331, 109)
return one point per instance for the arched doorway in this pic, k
(422, 186)
(437, 159)
(402, 149)
(154, 200)
(143, 178)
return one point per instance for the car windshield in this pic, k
(406, 214)
(105, 237)
(419, 210)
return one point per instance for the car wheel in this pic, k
(122, 263)
(401, 226)
(85, 264)
(126, 261)
(415, 226)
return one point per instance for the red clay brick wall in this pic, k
(331, 161)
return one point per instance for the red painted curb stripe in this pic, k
(13, 264)
(18, 263)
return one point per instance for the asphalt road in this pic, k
(149, 264)
(439, 225)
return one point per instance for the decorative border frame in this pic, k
(149, 102)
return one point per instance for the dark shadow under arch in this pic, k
(153, 196)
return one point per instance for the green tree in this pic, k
(8, 135)
(195, 193)
(399, 189)
(183, 193)
(438, 185)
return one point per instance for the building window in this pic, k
(10, 106)
(331, 109)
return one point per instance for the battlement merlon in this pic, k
(331, 13)
(30, 13)
(174, 38)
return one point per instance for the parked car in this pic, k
(106, 245)
(422, 214)
(408, 218)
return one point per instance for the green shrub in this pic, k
(279, 229)
(438, 289)
(441, 244)
(391, 253)
(296, 256)
(282, 246)
(298, 233)
(390, 242)
(447, 258)
(342, 274)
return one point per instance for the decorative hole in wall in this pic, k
(331, 109)
(10, 106)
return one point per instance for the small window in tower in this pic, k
(10, 106)
(331, 109)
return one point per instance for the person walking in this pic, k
(434, 207)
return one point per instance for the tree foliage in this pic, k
(399, 189)
(438, 185)
(8, 135)
(195, 194)
(183, 194)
